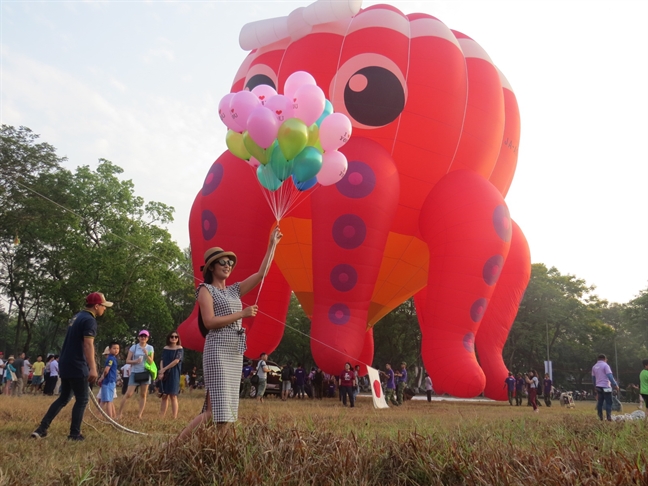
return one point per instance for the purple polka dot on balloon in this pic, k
(213, 179)
(355, 179)
(358, 182)
(339, 314)
(502, 222)
(477, 310)
(209, 224)
(343, 277)
(492, 269)
(349, 231)
(469, 342)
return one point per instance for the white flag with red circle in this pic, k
(376, 389)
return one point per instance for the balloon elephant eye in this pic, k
(374, 96)
(258, 79)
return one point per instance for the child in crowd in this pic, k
(109, 381)
(9, 375)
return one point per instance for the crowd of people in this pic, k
(21, 376)
(225, 378)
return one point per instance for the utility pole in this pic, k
(616, 362)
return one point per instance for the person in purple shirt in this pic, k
(401, 382)
(604, 382)
(520, 384)
(509, 383)
(300, 381)
(246, 377)
(547, 386)
(391, 386)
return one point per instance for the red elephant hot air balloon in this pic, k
(419, 212)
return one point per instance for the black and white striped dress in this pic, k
(223, 355)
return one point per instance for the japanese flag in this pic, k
(376, 389)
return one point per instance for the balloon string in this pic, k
(265, 270)
(352, 359)
(190, 275)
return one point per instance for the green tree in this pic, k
(561, 316)
(397, 338)
(295, 345)
(83, 231)
(26, 168)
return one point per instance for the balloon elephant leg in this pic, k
(501, 313)
(352, 225)
(467, 227)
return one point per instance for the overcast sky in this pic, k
(138, 83)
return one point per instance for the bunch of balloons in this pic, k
(291, 136)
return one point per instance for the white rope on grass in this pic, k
(111, 420)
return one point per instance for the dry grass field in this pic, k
(322, 443)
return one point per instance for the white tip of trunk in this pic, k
(298, 24)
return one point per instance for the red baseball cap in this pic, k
(97, 298)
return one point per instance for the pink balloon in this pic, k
(334, 167)
(262, 126)
(308, 103)
(295, 81)
(253, 162)
(335, 131)
(264, 93)
(281, 107)
(241, 106)
(224, 113)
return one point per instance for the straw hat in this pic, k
(214, 254)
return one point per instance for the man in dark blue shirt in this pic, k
(520, 384)
(77, 366)
(300, 381)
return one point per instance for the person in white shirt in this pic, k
(428, 387)
(125, 371)
(52, 379)
(26, 371)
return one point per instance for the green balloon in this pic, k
(235, 145)
(307, 164)
(281, 167)
(292, 137)
(254, 150)
(267, 178)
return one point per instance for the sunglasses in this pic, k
(222, 262)
(175, 336)
(142, 336)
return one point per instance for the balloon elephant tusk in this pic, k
(298, 24)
